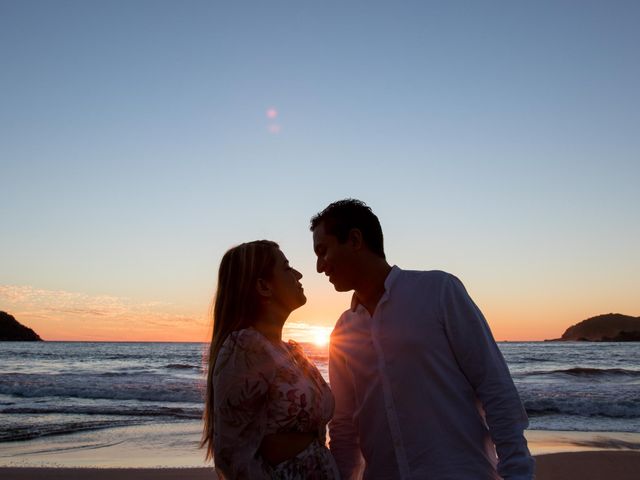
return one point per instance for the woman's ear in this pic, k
(263, 287)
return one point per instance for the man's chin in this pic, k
(341, 288)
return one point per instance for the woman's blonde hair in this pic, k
(236, 306)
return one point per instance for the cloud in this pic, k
(60, 314)
(59, 304)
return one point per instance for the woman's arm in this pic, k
(241, 380)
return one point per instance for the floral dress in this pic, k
(259, 389)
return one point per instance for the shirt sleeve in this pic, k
(240, 383)
(484, 366)
(343, 432)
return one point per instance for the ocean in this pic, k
(60, 390)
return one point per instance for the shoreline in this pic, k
(175, 445)
(586, 465)
(170, 452)
(546, 442)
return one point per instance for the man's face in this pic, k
(335, 259)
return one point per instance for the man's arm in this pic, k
(343, 432)
(484, 366)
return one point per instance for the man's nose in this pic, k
(319, 265)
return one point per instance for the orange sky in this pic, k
(59, 315)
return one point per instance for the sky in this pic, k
(139, 140)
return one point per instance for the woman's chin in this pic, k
(301, 301)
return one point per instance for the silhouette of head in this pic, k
(340, 217)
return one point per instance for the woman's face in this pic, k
(286, 289)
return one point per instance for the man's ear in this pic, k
(355, 238)
(263, 287)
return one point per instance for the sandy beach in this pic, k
(594, 465)
(29, 473)
(559, 456)
(147, 453)
(586, 465)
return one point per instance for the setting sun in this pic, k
(317, 335)
(320, 335)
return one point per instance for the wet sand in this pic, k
(559, 456)
(586, 465)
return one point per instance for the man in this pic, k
(422, 390)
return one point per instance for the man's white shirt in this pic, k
(422, 390)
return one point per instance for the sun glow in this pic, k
(303, 332)
(320, 335)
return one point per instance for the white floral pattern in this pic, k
(260, 389)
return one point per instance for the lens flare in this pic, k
(272, 113)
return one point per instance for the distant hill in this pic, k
(612, 327)
(11, 330)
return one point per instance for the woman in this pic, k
(266, 405)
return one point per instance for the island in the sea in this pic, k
(611, 327)
(13, 331)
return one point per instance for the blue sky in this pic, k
(496, 140)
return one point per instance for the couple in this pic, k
(421, 389)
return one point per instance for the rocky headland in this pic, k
(611, 327)
(13, 331)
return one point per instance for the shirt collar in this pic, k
(388, 283)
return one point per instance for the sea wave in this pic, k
(528, 360)
(116, 410)
(183, 366)
(587, 372)
(583, 407)
(15, 433)
(133, 387)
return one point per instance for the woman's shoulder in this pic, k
(243, 367)
(295, 347)
(293, 344)
(247, 344)
(244, 337)
(304, 362)
(297, 351)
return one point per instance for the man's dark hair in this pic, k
(342, 216)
